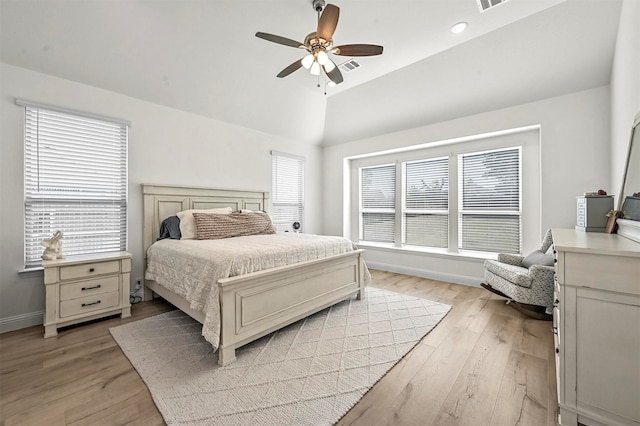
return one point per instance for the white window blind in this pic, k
(75, 181)
(377, 203)
(490, 200)
(426, 203)
(287, 194)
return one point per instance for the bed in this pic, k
(254, 304)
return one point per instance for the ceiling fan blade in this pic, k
(328, 22)
(334, 75)
(357, 50)
(291, 68)
(280, 40)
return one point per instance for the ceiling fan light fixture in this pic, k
(330, 83)
(315, 68)
(322, 57)
(307, 61)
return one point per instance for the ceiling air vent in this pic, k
(349, 66)
(487, 4)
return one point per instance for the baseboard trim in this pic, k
(440, 276)
(18, 322)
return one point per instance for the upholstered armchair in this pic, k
(524, 280)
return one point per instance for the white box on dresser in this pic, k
(591, 212)
(597, 320)
(87, 287)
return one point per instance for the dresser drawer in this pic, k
(87, 270)
(603, 272)
(89, 287)
(82, 305)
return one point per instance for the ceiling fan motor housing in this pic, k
(318, 5)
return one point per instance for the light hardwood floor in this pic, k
(484, 364)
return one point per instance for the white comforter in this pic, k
(191, 268)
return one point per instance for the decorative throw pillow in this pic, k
(216, 226)
(188, 225)
(537, 258)
(170, 228)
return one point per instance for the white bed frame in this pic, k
(255, 304)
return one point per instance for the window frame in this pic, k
(75, 129)
(489, 212)
(298, 204)
(376, 210)
(435, 212)
(528, 138)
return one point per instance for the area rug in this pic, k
(309, 373)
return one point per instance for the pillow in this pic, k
(216, 226)
(188, 225)
(538, 258)
(170, 228)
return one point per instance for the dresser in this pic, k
(83, 288)
(596, 321)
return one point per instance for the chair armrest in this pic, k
(542, 278)
(511, 259)
(542, 272)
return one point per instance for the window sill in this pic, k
(35, 272)
(438, 253)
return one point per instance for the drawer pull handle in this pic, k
(92, 270)
(554, 330)
(556, 303)
(92, 288)
(89, 304)
(557, 350)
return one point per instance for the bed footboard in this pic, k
(256, 304)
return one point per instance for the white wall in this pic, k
(165, 146)
(574, 158)
(625, 88)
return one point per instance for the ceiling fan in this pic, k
(320, 43)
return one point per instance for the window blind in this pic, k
(490, 199)
(75, 181)
(377, 207)
(287, 194)
(426, 203)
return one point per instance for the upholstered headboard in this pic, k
(162, 201)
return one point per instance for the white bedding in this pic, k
(191, 268)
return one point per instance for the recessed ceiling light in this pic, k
(459, 27)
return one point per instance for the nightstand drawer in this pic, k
(89, 269)
(89, 287)
(83, 305)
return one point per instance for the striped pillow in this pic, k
(211, 226)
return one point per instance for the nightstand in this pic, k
(86, 287)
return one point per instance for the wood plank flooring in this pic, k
(484, 364)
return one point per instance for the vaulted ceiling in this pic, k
(202, 57)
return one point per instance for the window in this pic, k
(287, 194)
(462, 198)
(490, 201)
(75, 181)
(426, 203)
(377, 203)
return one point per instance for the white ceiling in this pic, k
(202, 57)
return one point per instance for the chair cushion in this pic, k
(537, 258)
(512, 273)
